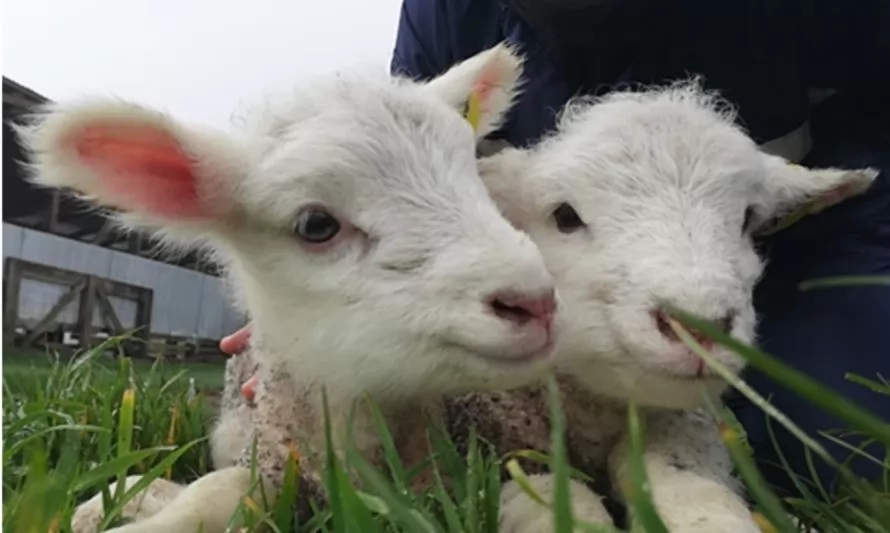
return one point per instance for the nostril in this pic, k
(726, 323)
(511, 312)
(664, 326)
(663, 322)
(523, 309)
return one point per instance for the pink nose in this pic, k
(523, 309)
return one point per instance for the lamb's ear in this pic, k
(134, 160)
(504, 175)
(792, 191)
(483, 87)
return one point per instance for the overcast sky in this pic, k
(197, 59)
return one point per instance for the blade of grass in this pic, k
(154, 473)
(518, 475)
(562, 506)
(331, 477)
(471, 503)
(643, 508)
(842, 281)
(400, 509)
(390, 453)
(125, 434)
(767, 502)
(114, 467)
(800, 383)
(544, 459)
(493, 503)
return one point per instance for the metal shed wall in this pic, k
(186, 302)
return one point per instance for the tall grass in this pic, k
(72, 432)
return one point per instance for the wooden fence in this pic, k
(86, 312)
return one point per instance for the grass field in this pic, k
(21, 367)
(71, 427)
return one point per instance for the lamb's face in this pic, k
(646, 200)
(378, 225)
(368, 251)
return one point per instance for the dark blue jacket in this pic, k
(762, 54)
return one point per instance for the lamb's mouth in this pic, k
(530, 357)
(702, 373)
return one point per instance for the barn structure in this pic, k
(71, 279)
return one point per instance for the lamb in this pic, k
(354, 227)
(641, 199)
(638, 199)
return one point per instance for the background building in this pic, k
(63, 262)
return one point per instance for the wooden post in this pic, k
(52, 223)
(134, 243)
(143, 319)
(104, 233)
(85, 313)
(107, 309)
(11, 290)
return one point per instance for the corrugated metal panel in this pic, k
(65, 253)
(12, 241)
(36, 298)
(216, 311)
(125, 309)
(185, 302)
(177, 292)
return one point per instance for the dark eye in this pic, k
(316, 226)
(749, 218)
(567, 220)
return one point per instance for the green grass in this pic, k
(70, 428)
(21, 367)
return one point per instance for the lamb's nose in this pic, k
(522, 309)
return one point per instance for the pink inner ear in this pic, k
(142, 168)
(832, 197)
(838, 193)
(485, 84)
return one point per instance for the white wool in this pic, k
(663, 180)
(398, 307)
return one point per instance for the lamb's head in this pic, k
(353, 218)
(650, 198)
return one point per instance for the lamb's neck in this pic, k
(315, 375)
(299, 395)
(594, 422)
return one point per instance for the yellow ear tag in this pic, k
(473, 111)
(788, 220)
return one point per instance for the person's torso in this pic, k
(746, 50)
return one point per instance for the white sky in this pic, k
(197, 59)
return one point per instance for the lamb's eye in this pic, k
(567, 219)
(316, 226)
(749, 219)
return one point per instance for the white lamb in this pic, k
(642, 199)
(353, 222)
(638, 199)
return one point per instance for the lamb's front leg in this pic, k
(690, 473)
(206, 505)
(209, 503)
(519, 513)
